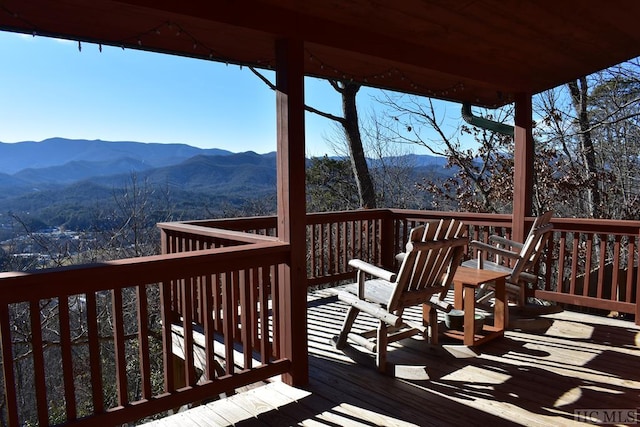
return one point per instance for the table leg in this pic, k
(501, 307)
(469, 314)
(458, 304)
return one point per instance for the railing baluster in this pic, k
(228, 321)
(397, 247)
(143, 340)
(628, 294)
(548, 261)
(275, 309)
(369, 245)
(217, 300)
(187, 327)
(263, 295)
(94, 352)
(353, 252)
(39, 372)
(323, 249)
(616, 269)
(255, 304)
(245, 316)
(193, 298)
(209, 329)
(235, 312)
(314, 249)
(202, 313)
(574, 263)
(119, 347)
(375, 241)
(67, 358)
(587, 264)
(602, 262)
(330, 246)
(10, 392)
(362, 239)
(167, 315)
(562, 261)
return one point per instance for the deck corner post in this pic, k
(164, 241)
(387, 240)
(523, 168)
(292, 207)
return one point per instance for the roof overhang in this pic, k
(481, 52)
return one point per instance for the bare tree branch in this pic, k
(306, 107)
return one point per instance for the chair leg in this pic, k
(430, 319)
(341, 342)
(522, 295)
(433, 326)
(381, 350)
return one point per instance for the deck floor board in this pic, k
(546, 367)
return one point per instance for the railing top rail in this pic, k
(468, 217)
(608, 226)
(598, 226)
(220, 233)
(342, 216)
(235, 223)
(79, 279)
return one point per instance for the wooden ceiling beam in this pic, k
(286, 23)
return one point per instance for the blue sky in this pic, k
(50, 88)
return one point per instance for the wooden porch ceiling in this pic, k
(478, 51)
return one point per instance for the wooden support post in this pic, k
(292, 206)
(637, 301)
(523, 165)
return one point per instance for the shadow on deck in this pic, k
(545, 369)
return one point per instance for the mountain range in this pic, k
(15, 157)
(40, 176)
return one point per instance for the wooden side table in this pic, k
(465, 282)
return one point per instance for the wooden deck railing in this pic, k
(334, 238)
(93, 345)
(593, 263)
(608, 249)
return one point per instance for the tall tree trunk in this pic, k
(366, 192)
(351, 126)
(579, 99)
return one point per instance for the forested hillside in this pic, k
(76, 185)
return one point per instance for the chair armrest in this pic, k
(371, 269)
(505, 242)
(437, 304)
(481, 246)
(373, 309)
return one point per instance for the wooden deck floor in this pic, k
(545, 368)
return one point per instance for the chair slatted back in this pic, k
(433, 253)
(533, 244)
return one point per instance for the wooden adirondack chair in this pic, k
(433, 253)
(518, 259)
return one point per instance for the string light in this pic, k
(212, 54)
(386, 74)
